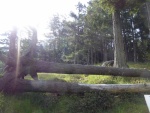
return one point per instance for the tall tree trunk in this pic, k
(88, 57)
(125, 43)
(124, 20)
(92, 56)
(135, 50)
(148, 15)
(119, 53)
(134, 42)
(105, 57)
(75, 51)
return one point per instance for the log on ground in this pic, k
(49, 67)
(12, 84)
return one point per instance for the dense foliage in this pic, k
(88, 38)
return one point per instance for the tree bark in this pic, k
(119, 53)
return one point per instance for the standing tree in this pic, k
(148, 14)
(114, 7)
(78, 29)
(98, 29)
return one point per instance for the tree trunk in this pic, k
(88, 57)
(148, 15)
(134, 42)
(92, 62)
(105, 57)
(9, 84)
(119, 53)
(49, 67)
(75, 50)
(135, 50)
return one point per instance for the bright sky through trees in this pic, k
(33, 12)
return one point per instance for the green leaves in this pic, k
(112, 5)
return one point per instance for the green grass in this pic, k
(89, 103)
(128, 107)
(92, 79)
(101, 102)
(139, 65)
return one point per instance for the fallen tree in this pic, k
(11, 84)
(50, 67)
(19, 66)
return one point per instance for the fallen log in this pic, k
(11, 84)
(49, 67)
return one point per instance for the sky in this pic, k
(33, 12)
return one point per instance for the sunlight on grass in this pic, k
(66, 77)
(91, 79)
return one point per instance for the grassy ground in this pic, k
(101, 102)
